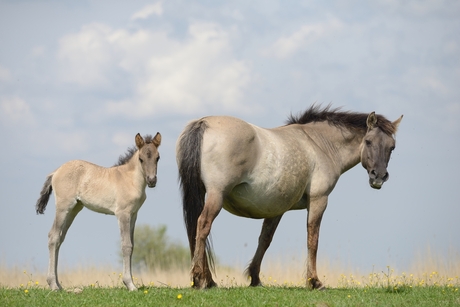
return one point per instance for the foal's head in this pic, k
(376, 148)
(149, 156)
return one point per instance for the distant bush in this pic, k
(154, 250)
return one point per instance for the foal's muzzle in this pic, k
(151, 181)
(376, 179)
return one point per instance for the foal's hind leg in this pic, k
(201, 274)
(62, 221)
(127, 222)
(268, 230)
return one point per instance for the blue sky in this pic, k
(78, 80)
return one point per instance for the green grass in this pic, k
(233, 296)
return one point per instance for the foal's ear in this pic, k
(397, 122)
(371, 120)
(157, 139)
(139, 141)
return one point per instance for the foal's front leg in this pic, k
(126, 222)
(315, 214)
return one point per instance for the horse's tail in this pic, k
(44, 195)
(193, 190)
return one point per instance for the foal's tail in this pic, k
(193, 189)
(44, 195)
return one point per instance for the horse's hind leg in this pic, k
(62, 221)
(126, 222)
(201, 274)
(315, 215)
(266, 235)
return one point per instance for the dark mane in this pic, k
(336, 117)
(123, 159)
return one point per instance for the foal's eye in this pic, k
(392, 148)
(140, 160)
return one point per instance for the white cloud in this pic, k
(165, 74)
(288, 45)
(122, 139)
(86, 57)
(5, 74)
(196, 74)
(15, 110)
(149, 10)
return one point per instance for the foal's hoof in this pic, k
(54, 286)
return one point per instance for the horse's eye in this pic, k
(140, 160)
(392, 148)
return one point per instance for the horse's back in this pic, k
(83, 181)
(73, 171)
(258, 170)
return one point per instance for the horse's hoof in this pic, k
(256, 284)
(322, 288)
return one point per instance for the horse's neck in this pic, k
(341, 144)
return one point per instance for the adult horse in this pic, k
(119, 191)
(254, 172)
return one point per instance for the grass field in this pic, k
(433, 281)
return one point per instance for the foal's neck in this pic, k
(133, 170)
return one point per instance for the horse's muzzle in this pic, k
(376, 180)
(151, 181)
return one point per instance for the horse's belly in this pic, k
(259, 202)
(100, 205)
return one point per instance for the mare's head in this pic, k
(149, 157)
(376, 148)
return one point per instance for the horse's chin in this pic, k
(152, 185)
(375, 185)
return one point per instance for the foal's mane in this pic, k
(123, 159)
(336, 117)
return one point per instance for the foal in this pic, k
(119, 191)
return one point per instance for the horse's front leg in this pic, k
(201, 273)
(315, 214)
(126, 222)
(266, 235)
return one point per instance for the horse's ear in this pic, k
(139, 141)
(397, 122)
(157, 139)
(371, 120)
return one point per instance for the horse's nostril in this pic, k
(373, 174)
(151, 180)
(385, 178)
